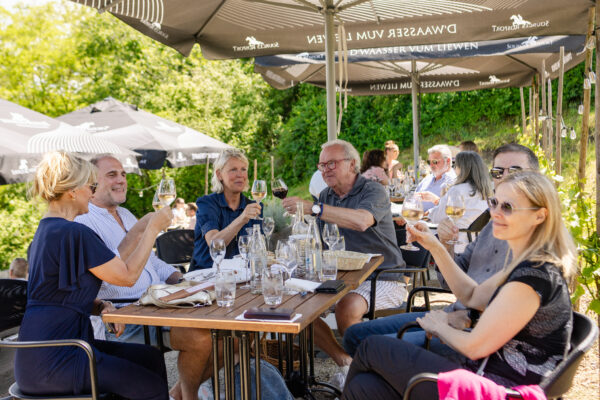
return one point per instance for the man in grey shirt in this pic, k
(361, 209)
(481, 259)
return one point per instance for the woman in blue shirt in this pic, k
(225, 212)
(68, 263)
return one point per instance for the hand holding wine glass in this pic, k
(217, 252)
(455, 209)
(259, 191)
(412, 211)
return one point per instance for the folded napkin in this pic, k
(182, 295)
(301, 285)
(231, 263)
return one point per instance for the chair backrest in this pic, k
(584, 334)
(175, 247)
(13, 300)
(416, 258)
(478, 224)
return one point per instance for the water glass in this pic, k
(225, 288)
(339, 245)
(272, 286)
(329, 266)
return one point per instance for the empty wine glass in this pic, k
(217, 252)
(455, 209)
(331, 234)
(285, 254)
(166, 192)
(268, 226)
(244, 247)
(259, 191)
(412, 211)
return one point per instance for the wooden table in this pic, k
(222, 322)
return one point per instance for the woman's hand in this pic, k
(420, 232)
(447, 230)
(107, 306)
(434, 322)
(162, 219)
(252, 211)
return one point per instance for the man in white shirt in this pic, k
(120, 231)
(442, 175)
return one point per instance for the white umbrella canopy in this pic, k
(156, 138)
(25, 135)
(250, 28)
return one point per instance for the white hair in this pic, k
(443, 149)
(226, 155)
(349, 150)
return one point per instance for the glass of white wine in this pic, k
(412, 212)
(155, 202)
(166, 192)
(455, 209)
(259, 191)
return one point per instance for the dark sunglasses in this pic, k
(498, 172)
(93, 187)
(505, 207)
(434, 162)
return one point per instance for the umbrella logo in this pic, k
(19, 120)
(128, 163)
(518, 20)
(180, 157)
(493, 80)
(253, 42)
(23, 168)
(89, 127)
(155, 27)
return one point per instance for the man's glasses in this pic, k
(434, 162)
(498, 172)
(330, 165)
(93, 187)
(506, 208)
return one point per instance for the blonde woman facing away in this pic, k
(526, 321)
(68, 263)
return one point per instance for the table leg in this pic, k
(311, 350)
(303, 348)
(280, 352)
(244, 366)
(289, 342)
(257, 363)
(228, 367)
(215, 377)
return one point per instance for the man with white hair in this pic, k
(361, 209)
(442, 175)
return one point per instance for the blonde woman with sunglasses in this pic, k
(526, 319)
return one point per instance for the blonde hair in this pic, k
(550, 241)
(60, 172)
(226, 155)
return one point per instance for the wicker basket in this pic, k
(269, 351)
(350, 260)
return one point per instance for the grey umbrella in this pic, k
(25, 135)
(156, 138)
(250, 28)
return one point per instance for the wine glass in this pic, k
(285, 253)
(217, 252)
(244, 247)
(268, 226)
(156, 203)
(455, 209)
(279, 188)
(259, 191)
(331, 234)
(412, 211)
(166, 192)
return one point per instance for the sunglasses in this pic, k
(506, 208)
(93, 187)
(498, 172)
(434, 162)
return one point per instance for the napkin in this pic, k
(301, 285)
(231, 263)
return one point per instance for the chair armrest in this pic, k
(426, 289)
(415, 380)
(407, 326)
(403, 270)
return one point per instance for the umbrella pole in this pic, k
(559, 99)
(523, 120)
(330, 71)
(206, 176)
(416, 115)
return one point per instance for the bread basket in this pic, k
(350, 260)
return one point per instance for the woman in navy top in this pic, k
(226, 212)
(525, 327)
(68, 263)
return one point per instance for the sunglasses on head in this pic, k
(506, 208)
(498, 172)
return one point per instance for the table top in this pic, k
(311, 306)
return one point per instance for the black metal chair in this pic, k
(477, 225)
(555, 385)
(13, 301)
(176, 247)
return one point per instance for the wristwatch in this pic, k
(317, 209)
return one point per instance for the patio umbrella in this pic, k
(250, 28)
(156, 138)
(25, 135)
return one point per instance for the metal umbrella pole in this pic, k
(416, 117)
(330, 70)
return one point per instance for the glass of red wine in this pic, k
(279, 188)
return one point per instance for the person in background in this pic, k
(190, 212)
(179, 214)
(317, 184)
(225, 212)
(468, 145)
(391, 155)
(69, 262)
(374, 166)
(18, 269)
(442, 175)
(526, 319)
(474, 185)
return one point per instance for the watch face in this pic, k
(316, 209)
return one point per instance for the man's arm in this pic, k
(133, 236)
(357, 220)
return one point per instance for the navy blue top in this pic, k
(214, 213)
(60, 297)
